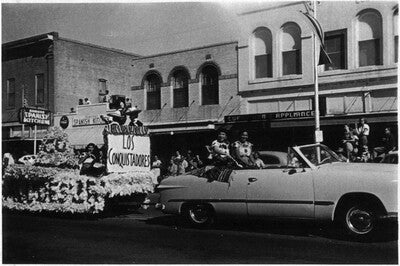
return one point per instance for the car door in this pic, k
(228, 198)
(280, 193)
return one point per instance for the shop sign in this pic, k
(128, 149)
(296, 114)
(269, 116)
(64, 122)
(87, 120)
(34, 116)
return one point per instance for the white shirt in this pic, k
(222, 147)
(364, 130)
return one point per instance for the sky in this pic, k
(142, 28)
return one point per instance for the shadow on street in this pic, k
(388, 232)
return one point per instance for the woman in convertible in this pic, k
(242, 150)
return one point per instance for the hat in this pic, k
(115, 114)
(132, 110)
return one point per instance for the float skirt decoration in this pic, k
(35, 188)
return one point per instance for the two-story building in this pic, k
(276, 73)
(50, 72)
(182, 94)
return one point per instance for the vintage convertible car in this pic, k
(313, 184)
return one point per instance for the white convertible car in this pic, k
(313, 184)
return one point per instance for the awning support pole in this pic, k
(34, 141)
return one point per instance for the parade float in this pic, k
(54, 183)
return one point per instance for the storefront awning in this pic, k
(272, 121)
(181, 127)
(79, 137)
(337, 120)
(174, 130)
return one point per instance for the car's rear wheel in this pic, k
(199, 214)
(359, 220)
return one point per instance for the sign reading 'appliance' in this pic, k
(269, 116)
(34, 116)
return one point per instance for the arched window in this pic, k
(180, 89)
(209, 85)
(291, 49)
(262, 39)
(369, 38)
(396, 34)
(153, 89)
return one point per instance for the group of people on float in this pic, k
(119, 116)
(356, 148)
(93, 159)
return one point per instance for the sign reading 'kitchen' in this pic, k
(34, 116)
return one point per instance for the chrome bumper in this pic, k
(389, 216)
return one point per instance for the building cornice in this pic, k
(187, 50)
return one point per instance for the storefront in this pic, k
(277, 131)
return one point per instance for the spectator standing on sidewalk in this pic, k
(350, 143)
(362, 130)
(156, 169)
(172, 167)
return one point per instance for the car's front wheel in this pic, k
(199, 214)
(359, 220)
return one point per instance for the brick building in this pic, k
(276, 71)
(50, 72)
(182, 94)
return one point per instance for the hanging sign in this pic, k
(34, 116)
(87, 120)
(128, 149)
(64, 122)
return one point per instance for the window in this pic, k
(369, 39)
(153, 88)
(103, 91)
(209, 85)
(396, 34)
(262, 53)
(39, 89)
(335, 44)
(384, 100)
(102, 86)
(291, 49)
(345, 104)
(11, 93)
(180, 84)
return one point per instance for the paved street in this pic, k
(148, 236)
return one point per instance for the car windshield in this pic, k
(319, 154)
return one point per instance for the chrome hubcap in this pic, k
(199, 214)
(359, 221)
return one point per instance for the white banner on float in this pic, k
(127, 153)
